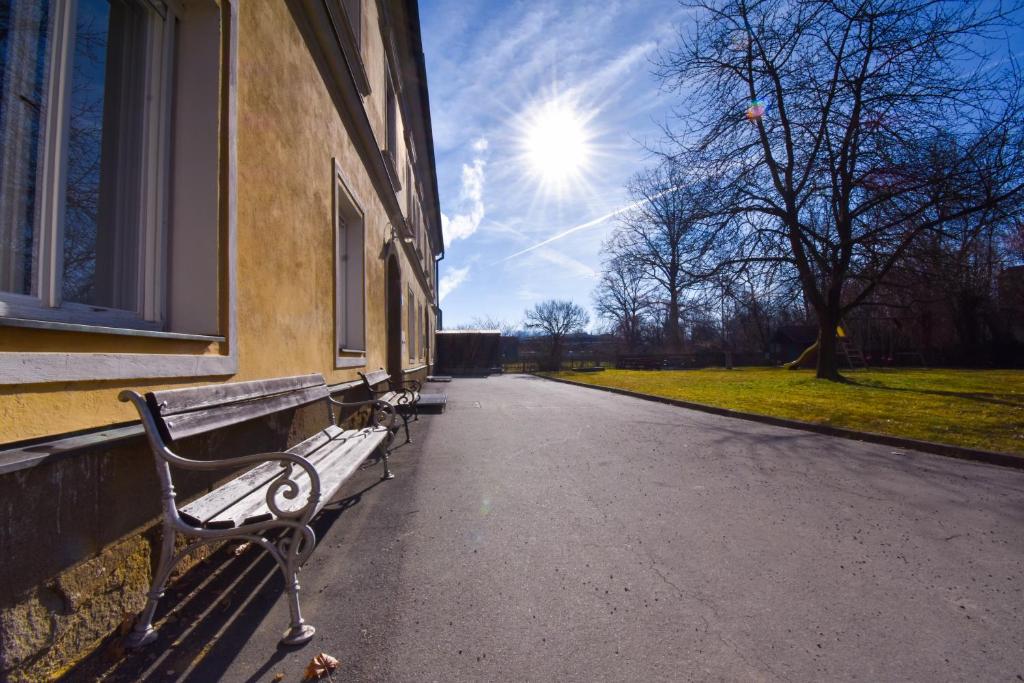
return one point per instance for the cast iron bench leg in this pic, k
(292, 555)
(144, 633)
(387, 468)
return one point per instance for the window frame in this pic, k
(46, 303)
(346, 353)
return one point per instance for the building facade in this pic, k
(191, 191)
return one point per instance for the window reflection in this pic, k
(24, 65)
(101, 221)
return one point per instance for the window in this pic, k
(423, 334)
(390, 119)
(349, 283)
(353, 10)
(408, 193)
(84, 87)
(411, 325)
(426, 334)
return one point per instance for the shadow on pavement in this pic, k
(209, 614)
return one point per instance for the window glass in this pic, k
(107, 106)
(391, 115)
(24, 68)
(353, 11)
(410, 325)
(349, 284)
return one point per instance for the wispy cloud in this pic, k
(589, 224)
(451, 281)
(471, 200)
(567, 264)
(491, 63)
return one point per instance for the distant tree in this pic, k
(486, 322)
(838, 132)
(660, 237)
(623, 298)
(556, 319)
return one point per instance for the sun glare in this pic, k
(556, 144)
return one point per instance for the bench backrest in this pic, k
(186, 412)
(372, 379)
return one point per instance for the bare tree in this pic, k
(556, 319)
(819, 121)
(623, 298)
(487, 322)
(660, 237)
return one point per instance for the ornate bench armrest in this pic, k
(383, 414)
(287, 460)
(414, 384)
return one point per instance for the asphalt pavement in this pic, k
(537, 531)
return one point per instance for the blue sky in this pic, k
(507, 81)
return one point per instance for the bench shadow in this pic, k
(208, 615)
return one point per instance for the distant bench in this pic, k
(403, 396)
(256, 501)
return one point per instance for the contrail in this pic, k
(589, 224)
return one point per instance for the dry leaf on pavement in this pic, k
(321, 665)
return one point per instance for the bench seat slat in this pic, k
(331, 459)
(335, 454)
(181, 425)
(201, 511)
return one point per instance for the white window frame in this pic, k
(349, 273)
(46, 304)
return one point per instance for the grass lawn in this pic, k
(974, 408)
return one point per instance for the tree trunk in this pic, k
(555, 357)
(828, 363)
(673, 335)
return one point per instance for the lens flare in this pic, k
(756, 109)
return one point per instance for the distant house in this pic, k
(191, 191)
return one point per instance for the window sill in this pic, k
(102, 329)
(350, 362)
(415, 368)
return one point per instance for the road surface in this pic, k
(539, 531)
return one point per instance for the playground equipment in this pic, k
(852, 352)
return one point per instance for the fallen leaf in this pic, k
(278, 677)
(321, 665)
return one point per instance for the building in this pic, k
(191, 191)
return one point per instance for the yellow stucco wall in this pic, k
(289, 130)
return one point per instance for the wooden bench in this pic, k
(279, 492)
(405, 398)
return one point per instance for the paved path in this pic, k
(539, 531)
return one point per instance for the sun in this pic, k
(556, 143)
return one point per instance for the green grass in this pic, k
(973, 408)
